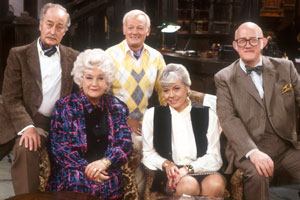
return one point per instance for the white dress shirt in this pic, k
(184, 150)
(51, 82)
(210, 101)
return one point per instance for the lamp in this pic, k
(170, 27)
(167, 28)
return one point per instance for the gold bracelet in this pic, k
(106, 161)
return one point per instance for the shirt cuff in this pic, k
(24, 129)
(248, 154)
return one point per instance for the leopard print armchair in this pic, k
(128, 169)
(236, 180)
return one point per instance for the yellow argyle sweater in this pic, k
(134, 84)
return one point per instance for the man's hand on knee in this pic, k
(263, 163)
(31, 139)
(135, 125)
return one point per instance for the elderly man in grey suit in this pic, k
(36, 76)
(257, 98)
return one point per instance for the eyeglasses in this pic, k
(242, 42)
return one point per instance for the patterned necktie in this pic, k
(258, 69)
(48, 51)
(137, 53)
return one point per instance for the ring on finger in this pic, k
(95, 169)
(99, 180)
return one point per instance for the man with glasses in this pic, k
(257, 98)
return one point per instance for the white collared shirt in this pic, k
(257, 79)
(51, 80)
(137, 62)
(184, 149)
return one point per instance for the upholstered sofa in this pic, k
(235, 187)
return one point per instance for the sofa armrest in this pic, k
(236, 182)
(128, 176)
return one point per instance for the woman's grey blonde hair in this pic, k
(173, 73)
(89, 59)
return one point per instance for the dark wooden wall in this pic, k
(98, 24)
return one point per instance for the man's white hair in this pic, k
(134, 13)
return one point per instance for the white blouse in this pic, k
(184, 150)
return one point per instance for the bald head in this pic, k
(248, 26)
(249, 43)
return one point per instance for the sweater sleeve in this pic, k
(65, 145)
(122, 147)
(151, 158)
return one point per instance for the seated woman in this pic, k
(89, 136)
(181, 141)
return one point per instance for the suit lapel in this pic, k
(65, 61)
(246, 82)
(268, 79)
(34, 64)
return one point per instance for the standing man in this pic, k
(35, 77)
(138, 68)
(257, 98)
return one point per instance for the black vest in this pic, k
(163, 127)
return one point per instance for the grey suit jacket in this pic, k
(243, 114)
(22, 87)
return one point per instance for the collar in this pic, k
(243, 66)
(88, 105)
(185, 111)
(41, 52)
(127, 49)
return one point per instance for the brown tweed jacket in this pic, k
(22, 87)
(243, 114)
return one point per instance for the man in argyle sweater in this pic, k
(138, 68)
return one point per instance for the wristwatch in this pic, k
(189, 168)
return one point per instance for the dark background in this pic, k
(204, 23)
